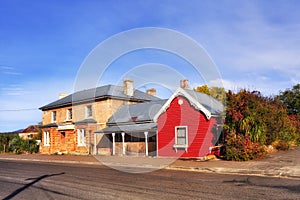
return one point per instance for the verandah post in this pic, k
(146, 142)
(123, 143)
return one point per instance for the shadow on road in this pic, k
(246, 182)
(16, 192)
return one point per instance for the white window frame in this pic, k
(181, 146)
(68, 118)
(52, 116)
(87, 112)
(81, 138)
(46, 138)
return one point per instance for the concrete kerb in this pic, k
(221, 170)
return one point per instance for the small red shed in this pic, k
(187, 124)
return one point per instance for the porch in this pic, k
(130, 140)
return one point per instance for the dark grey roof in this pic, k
(130, 128)
(107, 91)
(210, 103)
(139, 112)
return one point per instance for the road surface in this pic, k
(34, 180)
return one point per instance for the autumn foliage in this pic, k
(254, 122)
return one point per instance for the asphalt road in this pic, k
(33, 180)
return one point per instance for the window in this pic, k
(54, 116)
(89, 111)
(69, 114)
(81, 137)
(181, 137)
(46, 138)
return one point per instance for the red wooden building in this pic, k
(185, 125)
(188, 124)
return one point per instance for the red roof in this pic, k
(30, 129)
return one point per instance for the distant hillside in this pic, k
(12, 132)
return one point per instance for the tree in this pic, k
(4, 141)
(216, 92)
(13, 143)
(203, 89)
(253, 121)
(18, 145)
(291, 99)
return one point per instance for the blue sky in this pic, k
(255, 45)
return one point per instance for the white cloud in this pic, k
(252, 51)
(257, 83)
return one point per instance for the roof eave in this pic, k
(129, 123)
(44, 108)
(191, 99)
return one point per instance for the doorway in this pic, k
(63, 141)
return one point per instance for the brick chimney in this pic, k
(184, 84)
(151, 91)
(128, 87)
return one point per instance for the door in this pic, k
(63, 141)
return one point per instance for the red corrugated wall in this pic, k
(200, 135)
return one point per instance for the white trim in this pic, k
(181, 146)
(81, 138)
(95, 144)
(68, 114)
(46, 138)
(52, 116)
(192, 100)
(66, 127)
(86, 112)
(114, 144)
(123, 143)
(146, 142)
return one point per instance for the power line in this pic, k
(18, 110)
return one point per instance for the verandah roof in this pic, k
(130, 128)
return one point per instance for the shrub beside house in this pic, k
(14, 143)
(255, 123)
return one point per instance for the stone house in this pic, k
(68, 124)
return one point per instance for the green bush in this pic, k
(19, 145)
(4, 142)
(33, 147)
